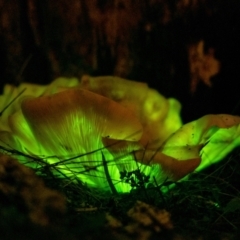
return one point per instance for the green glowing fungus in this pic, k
(105, 131)
(212, 137)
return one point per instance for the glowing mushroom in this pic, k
(72, 123)
(212, 137)
(80, 110)
(107, 126)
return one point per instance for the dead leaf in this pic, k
(202, 65)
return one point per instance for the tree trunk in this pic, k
(145, 40)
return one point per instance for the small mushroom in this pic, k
(212, 137)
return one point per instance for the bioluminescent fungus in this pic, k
(212, 137)
(105, 131)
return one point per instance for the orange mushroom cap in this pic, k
(82, 114)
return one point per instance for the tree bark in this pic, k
(145, 40)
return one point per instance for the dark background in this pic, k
(145, 40)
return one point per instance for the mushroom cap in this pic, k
(115, 88)
(159, 116)
(81, 115)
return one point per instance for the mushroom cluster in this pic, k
(108, 132)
